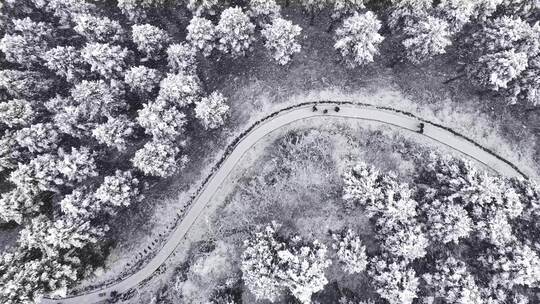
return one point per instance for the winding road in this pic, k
(272, 122)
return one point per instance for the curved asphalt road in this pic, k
(198, 205)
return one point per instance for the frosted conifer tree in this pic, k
(65, 61)
(498, 69)
(16, 112)
(235, 32)
(180, 89)
(358, 39)
(447, 222)
(350, 251)
(95, 99)
(426, 38)
(456, 13)
(77, 165)
(40, 174)
(394, 281)
(158, 159)
(280, 39)
(264, 11)
(270, 267)
(25, 84)
(9, 151)
(202, 35)
(344, 8)
(162, 121)
(107, 60)
(28, 43)
(200, 7)
(98, 29)
(81, 203)
(405, 12)
(314, 7)
(115, 132)
(149, 39)
(142, 79)
(38, 138)
(453, 282)
(120, 189)
(15, 205)
(212, 110)
(181, 58)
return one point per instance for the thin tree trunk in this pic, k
(454, 78)
(331, 26)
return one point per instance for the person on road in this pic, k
(336, 109)
(314, 108)
(325, 111)
(421, 128)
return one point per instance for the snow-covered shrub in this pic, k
(358, 39)
(362, 185)
(161, 120)
(350, 251)
(65, 61)
(16, 112)
(158, 159)
(264, 11)
(142, 79)
(235, 32)
(426, 38)
(180, 89)
(98, 29)
(77, 165)
(38, 138)
(212, 110)
(181, 58)
(394, 281)
(105, 59)
(150, 40)
(25, 84)
(280, 39)
(270, 267)
(120, 189)
(202, 35)
(447, 222)
(115, 132)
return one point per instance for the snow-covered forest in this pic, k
(104, 103)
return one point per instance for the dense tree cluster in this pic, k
(271, 265)
(88, 110)
(452, 206)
